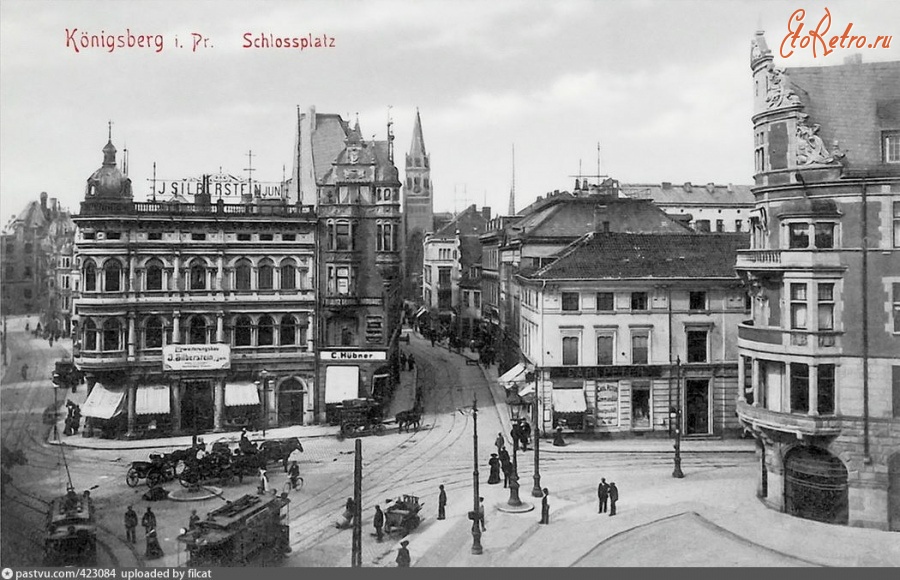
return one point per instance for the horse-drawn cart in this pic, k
(402, 514)
(360, 417)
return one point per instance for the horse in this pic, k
(280, 449)
(411, 418)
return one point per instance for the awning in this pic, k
(240, 394)
(569, 401)
(152, 400)
(341, 383)
(103, 403)
(422, 310)
(512, 374)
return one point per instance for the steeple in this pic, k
(417, 147)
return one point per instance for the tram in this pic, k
(247, 531)
(71, 535)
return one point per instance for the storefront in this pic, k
(104, 410)
(242, 405)
(569, 409)
(152, 407)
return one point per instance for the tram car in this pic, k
(247, 531)
(71, 534)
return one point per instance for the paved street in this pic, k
(709, 518)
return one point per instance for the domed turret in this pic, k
(108, 182)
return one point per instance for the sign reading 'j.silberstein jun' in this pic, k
(196, 357)
(352, 355)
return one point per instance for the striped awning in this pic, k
(152, 400)
(103, 403)
(240, 394)
(569, 401)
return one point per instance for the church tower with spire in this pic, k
(418, 209)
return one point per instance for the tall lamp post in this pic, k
(264, 387)
(675, 414)
(476, 505)
(536, 491)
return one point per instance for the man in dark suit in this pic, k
(602, 494)
(442, 503)
(613, 498)
(545, 507)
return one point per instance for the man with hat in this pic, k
(131, 522)
(403, 559)
(378, 522)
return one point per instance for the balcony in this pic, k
(777, 260)
(803, 342)
(799, 425)
(98, 360)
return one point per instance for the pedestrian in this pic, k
(506, 466)
(378, 522)
(402, 361)
(411, 361)
(499, 442)
(294, 473)
(602, 494)
(193, 520)
(613, 497)
(25, 372)
(494, 464)
(403, 559)
(442, 503)
(431, 336)
(154, 550)
(514, 434)
(148, 521)
(558, 440)
(545, 507)
(525, 433)
(131, 522)
(480, 514)
(349, 512)
(76, 418)
(263, 482)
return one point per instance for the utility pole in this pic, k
(357, 503)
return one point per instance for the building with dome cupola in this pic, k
(819, 355)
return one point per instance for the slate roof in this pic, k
(603, 256)
(327, 142)
(709, 194)
(469, 222)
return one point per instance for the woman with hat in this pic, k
(494, 464)
(403, 559)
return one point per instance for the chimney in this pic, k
(730, 188)
(711, 187)
(687, 186)
(601, 218)
(667, 185)
(44, 201)
(486, 213)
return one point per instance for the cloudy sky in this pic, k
(663, 85)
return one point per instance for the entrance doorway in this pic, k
(894, 493)
(290, 402)
(815, 486)
(197, 406)
(696, 402)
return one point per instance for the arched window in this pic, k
(266, 275)
(154, 275)
(266, 331)
(198, 275)
(90, 335)
(242, 275)
(153, 329)
(90, 276)
(198, 331)
(242, 334)
(112, 273)
(288, 275)
(288, 330)
(112, 332)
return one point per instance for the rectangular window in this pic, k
(243, 237)
(897, 224)
(476, 296)
(266, 237)
(702, 226)
(738, 225)
(798, 306)
(88, 235)
(198, 237)
(826, 306)
(799, 388)
(825, 402)
(605, 302)
(639, 301)
(895, 391)
(696, 346)
(465, 298)
(342, 237)
(720, 226)
(570, 301)
(697, 300)
(640, 405)
(892, 147)
(113, 235)
(570, 350)
(640, 342)
(798, 236)
(605, 349)
(824, 235)
(288, 237)
(154, 236)
(747, 379)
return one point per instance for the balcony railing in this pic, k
(759, 256)
(787, 259)
(795, 423)
(797, 341)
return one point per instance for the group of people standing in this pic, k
(607, 493)
(148, 521)
(407, 361)
(73, 419)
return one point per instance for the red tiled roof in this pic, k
(613, 255)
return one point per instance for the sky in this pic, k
(663, 86)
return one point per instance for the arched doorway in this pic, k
(815, 485)
(290, 401)
(894, 493)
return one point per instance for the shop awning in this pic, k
(517, 373)
(240, 394)
(422, 310)
(341, 383)
(103, 403)
(569, 401)
(152, 400)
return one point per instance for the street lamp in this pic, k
(474, 515)
(264, 387)
(675, 414)
(536, 491)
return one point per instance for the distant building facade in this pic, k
(706, 208)
(819, 356)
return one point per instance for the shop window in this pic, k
(266, 331)
(798, 236)
(605, 346)
(242, 275)
(242, 331)
(826, 306)
(825, 402)
(798, 306)
(799, 388)
(266, 276)
(288, 330)
(570, 350)
(605, 301)
(824, 232)
(697, 346)
(697, 300)
(112, 332)
(570, 301)
(640, 405)
(639, 301)
(153, 333)
(640, 342)
(112, 272)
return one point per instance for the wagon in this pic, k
(402, 514)
(360, 417)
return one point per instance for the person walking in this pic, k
(545, 507)
(613, 497)
(525, 434)
(153, 549)
(506, 466)
(494, 464)
(148, 521)
(431, 336)
(442, 503)
(25, 372)
(602, 495)
(294, 474)
(480, 514)
(515, 436)
(410, 359)
(263, 487)
(378, 522)
(193, 520)
(500, 443)
(131, 522)
(403, 559)
(402, 361)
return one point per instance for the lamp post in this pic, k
(536, 491)
(675, 413)
(475, 515)
(264, 387)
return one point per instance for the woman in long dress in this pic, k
(494, 463)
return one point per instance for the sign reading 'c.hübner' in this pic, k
(352, 355)
(196, 357)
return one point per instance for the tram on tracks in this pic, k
(71, 535)
(249, 531)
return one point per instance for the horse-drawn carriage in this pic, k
(248, 458)
(160, 468)
(402, 514)
(359, 417)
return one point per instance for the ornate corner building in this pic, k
(819, 357)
